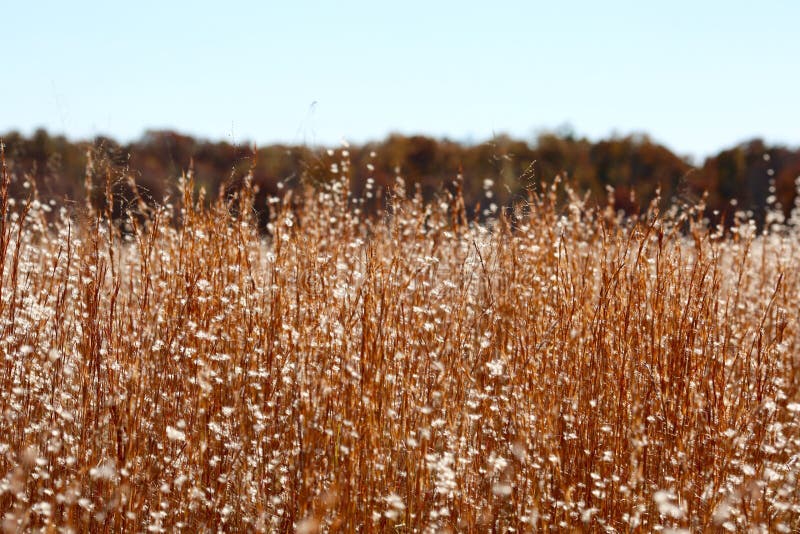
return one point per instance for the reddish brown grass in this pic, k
(561, 369)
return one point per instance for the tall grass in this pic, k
(559, 368)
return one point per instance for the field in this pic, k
(558, 368)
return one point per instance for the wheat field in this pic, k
(558, 368)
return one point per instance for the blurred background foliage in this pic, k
(752, 173)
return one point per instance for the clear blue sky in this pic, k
(696, 76)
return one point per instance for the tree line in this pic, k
(750, 177)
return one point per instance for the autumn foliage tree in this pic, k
(752, 175)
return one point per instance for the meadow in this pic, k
(557, 367)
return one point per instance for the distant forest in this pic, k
(747, 178)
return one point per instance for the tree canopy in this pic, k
(752, 174)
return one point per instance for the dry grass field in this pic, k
(561, 368)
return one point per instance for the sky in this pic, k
(695, 76)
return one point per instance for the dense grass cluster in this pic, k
(559, 368)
